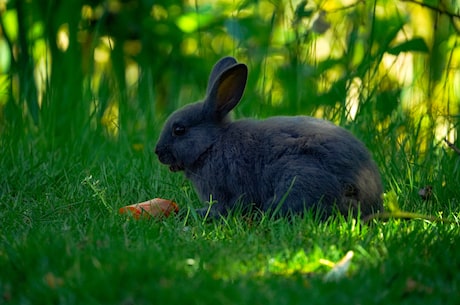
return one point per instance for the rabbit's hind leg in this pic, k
(295, 194)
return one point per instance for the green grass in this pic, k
(63, 242)
(67, 164)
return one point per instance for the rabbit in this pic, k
(284, 165)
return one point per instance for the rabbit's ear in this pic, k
(226, 91)
(218, 68)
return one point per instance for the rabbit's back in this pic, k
(332, 146)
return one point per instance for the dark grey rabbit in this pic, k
(281, 164)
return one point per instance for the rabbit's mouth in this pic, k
(175, 167)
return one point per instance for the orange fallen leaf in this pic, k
(156, 208)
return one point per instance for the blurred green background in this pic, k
(76, 74)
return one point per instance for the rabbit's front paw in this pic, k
(209, 212)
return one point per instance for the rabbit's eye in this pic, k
(178, 130)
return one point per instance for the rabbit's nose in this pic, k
(160, 150)
(160, 153)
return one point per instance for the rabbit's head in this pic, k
(191, 131)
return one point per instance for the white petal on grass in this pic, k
(340, 269)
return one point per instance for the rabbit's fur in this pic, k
(282, 164)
